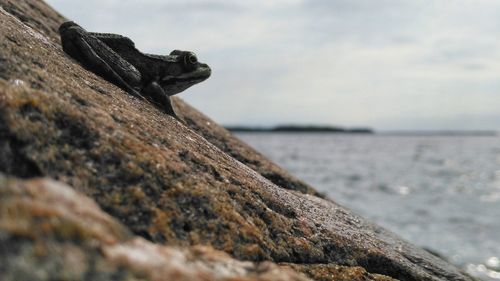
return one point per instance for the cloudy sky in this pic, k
(387, 64)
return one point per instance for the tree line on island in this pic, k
(301, 129)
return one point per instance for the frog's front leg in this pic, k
(159, 97)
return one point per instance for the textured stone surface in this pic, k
(35, 14)
(327, 272)
(170, 182)
(48, 231)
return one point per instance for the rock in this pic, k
(48, 231)
(170, 183)
(35, 14)
(193, 263)
(327, 272)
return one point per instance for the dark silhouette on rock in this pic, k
(115, 58)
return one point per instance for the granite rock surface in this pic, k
(49, 231)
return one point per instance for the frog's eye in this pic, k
(190, 60)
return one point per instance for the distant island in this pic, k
(360, 130)
(301, 129)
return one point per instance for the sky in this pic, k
(385, 64)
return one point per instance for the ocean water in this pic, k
(439, 192)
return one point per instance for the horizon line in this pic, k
(344, 129)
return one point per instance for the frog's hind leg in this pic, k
(77, 47)
(160, 98)
(98, 65)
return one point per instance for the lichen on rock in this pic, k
(48, 231)
(327, 272)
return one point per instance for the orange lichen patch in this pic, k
(332, 272)
(252, 251)
(138, 193)
(161, 226)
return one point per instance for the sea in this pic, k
(439, 192)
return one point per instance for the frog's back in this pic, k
(148, 65)
(119, 43)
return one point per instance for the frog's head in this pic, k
(183, 71)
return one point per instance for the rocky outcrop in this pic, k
(48, 231)
(171, 183)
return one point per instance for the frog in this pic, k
(147, 76)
